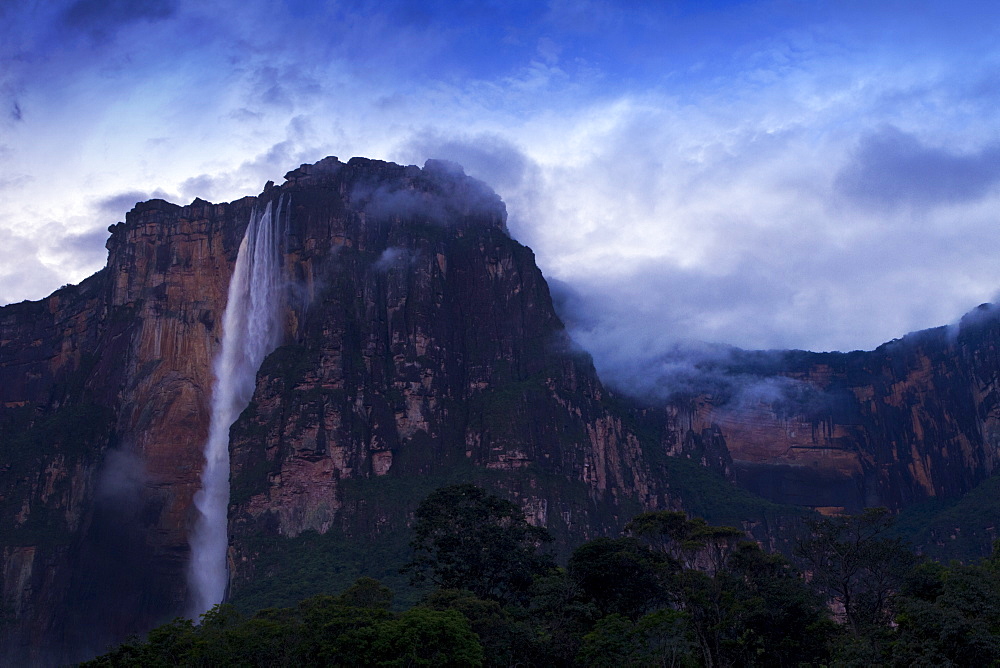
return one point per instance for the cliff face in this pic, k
(916, 418)
(103, 391)
(424, 342)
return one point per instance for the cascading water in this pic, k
(251, 329)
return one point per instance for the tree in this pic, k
(367, 593)
(855, 563)
(783, 622)
(692, 542)
(465, 538)
(949, 616)
(508, 639)
(661, 638)
(562, 614)
(423, 637)
(622, 575)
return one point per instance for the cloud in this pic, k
(692, 170)
(392, 257)
(122, 479)
(490, 157)
(891, 168)
(20, 268)
(101, 18)
(117, 205)
(84, 249)
(441, 193)
(285, 87)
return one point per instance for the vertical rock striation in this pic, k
(419, 340)
(917, 418)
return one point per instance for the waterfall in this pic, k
(251, 329)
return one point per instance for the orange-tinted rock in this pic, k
(915, 418)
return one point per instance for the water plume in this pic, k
(251, 330)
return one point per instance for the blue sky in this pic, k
(821, 175)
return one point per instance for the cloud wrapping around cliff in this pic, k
(763, 174)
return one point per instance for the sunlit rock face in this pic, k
(103, 395)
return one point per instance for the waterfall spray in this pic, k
(251, 329)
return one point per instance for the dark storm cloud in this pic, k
(117, 205)
(101, 18)
(445, 195)
(892, 168)
(489, 157)
(86, 247)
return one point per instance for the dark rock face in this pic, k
(914, 419)
(426, 342)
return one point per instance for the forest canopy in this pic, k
(670, 591)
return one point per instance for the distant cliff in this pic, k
(917, 418)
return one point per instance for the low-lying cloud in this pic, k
(393, 257)
(443, 194)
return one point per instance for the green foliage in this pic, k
(376, 544)
(708, 495)
(661, 638)
(320, 631)
(677, 592)
(949, 616)
(856, 562)
(507, 636)
(959, 529)
(561, 613)
(686, 541)
(28, 443)
(424, 637)
(465, 538)
(622, 575)
(368, 593)
(290, 569)
(781, 621)
(72, 431)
